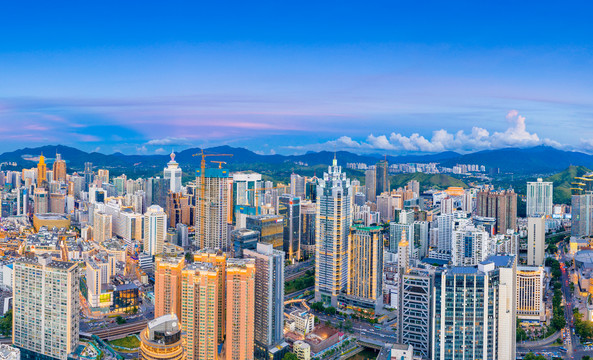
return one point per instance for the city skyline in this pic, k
(286, 79)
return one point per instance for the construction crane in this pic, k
(219, 163)
(257, 190)
(203, 193)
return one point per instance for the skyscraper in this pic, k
(41, 171)
(88, 175)
(59, 169)
(308, 215)
(200, 307)
(414, 309)
(501, 205)
(212, 210)
(540, 198)
(167, 285)
(582, 215)
(270, 228)
(370, 184)
(155, 230)
(334, 218)
(536, 240)
(382, 177)
(243, 239)
(289, 207)
(217, 258)
(297, 185)
(41, 201)
(173, 173)
(102, 226)
(269, 298)
(365, 268)
(530, 291)
(240, 300)
(486, 296)
(471, 245)
(46, 307)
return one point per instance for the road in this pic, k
(362, 329)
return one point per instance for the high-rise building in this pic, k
(200, 308)
(161, 340)
(88, 175)
(179, 210)
(501, 205)
(370, 185)
(102, 226)
(159, 190)
(530, 291)
(243, 239)
(536, 240)
(41, 171)
(102, 177)
(270, 227)
(582, 215)
(297, 185)
(484, 294)
(471, 245)
(46, 307)
(382, 177)
(155, 230)
(240, 300)
(167, 285)
(269, 298)
(212, 210)
(246, 191)
(414, 309)
(217, 258)
(334, 217)
(41, 201)
(365, 268)
(445, 232)
(302, 350)
(308, 215)
(59, 169)
(173, 173)
(289, 207)
(539, 198)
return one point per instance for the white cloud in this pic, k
(516, 135)
(160, 151)
(141, 149)
(167, 141)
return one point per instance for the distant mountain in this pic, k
(535, 160)
(427, 181)
(562, 183)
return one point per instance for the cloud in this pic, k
(168, 141)
(160, 151)
(516, 135)
(141, 149)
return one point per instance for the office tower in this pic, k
(161, 340)
(102, 226)
(414, 309)
(217, 258)
(370, 185)
(365, 266)
(88, 175)
(471, 245)
(173, 173)
(539, 198)
(582, 215)
(57, 203)
(419, 240)
(270, 227)
(333, 223)
(414, 186)
(403, 253)
(297, 185)
(269, 298)
(159, 190)
(59, 169)
(484, 294)
(155, 230)
(536, 240)
(212, 210)
(289, 207)
(102, 177)
(387, 204)
(167, 285)
(200, 307)
(246, 190)
(41, 172)
(182, 235)
(22, 201)
(311, 189)
(243, 239)
(240, 300)
(382, 177)
(98, 273)
(395, 234)
(46, 307)
(41, 198)
(530, 290)
(178, 209)
(308, 216)
(468, 200)
(501, 205)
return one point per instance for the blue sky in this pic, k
(288, 77)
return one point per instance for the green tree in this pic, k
(331, 310)
(120, 320)
(6, 323)
(532, 356)
(348, 325)
(290, 356)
